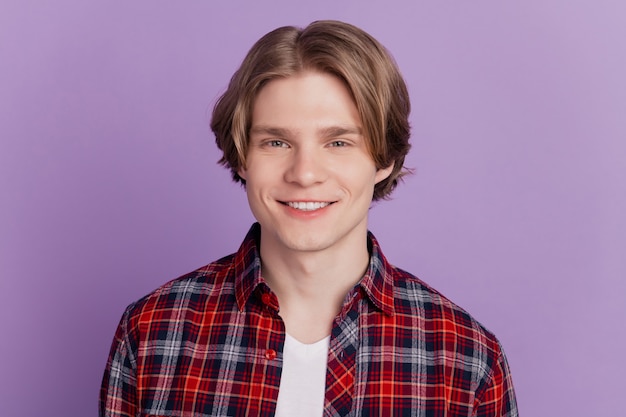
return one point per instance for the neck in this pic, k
(311, 285)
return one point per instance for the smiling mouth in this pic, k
(307, 205)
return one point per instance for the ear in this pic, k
(383, 173)
(242, 173)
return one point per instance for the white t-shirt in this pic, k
(303, 381)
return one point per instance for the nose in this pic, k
(306, 168)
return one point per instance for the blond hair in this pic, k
(334, 47)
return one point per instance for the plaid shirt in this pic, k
(210, 343)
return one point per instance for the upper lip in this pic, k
(306, 201)
(310, 203)
(304, 198)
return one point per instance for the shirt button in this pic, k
(266, 298)
(270, 354)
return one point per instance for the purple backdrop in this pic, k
(109, 186)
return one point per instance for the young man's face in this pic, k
(309, 176)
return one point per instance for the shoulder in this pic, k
(453, 340)
(191, 292)
(441, 318)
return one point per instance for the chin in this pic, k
(307, 242)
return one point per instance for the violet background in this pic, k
(109, 184)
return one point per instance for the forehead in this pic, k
(305, 100)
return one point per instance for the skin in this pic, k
(309, 181)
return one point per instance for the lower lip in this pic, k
(306, 214)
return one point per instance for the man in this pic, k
(308, 318)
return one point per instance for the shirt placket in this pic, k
(270, 344)
(340, 375)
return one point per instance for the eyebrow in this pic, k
(271, 131)
(336, 131)
(327, 132)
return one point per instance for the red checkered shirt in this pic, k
(210, 343)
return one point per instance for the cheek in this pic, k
(358, 180)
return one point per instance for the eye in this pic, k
(275, 143)
(338, 144)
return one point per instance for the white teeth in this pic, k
(307, 206)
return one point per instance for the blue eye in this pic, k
(277, 144)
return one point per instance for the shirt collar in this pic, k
(377, 283)
(248, 266)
